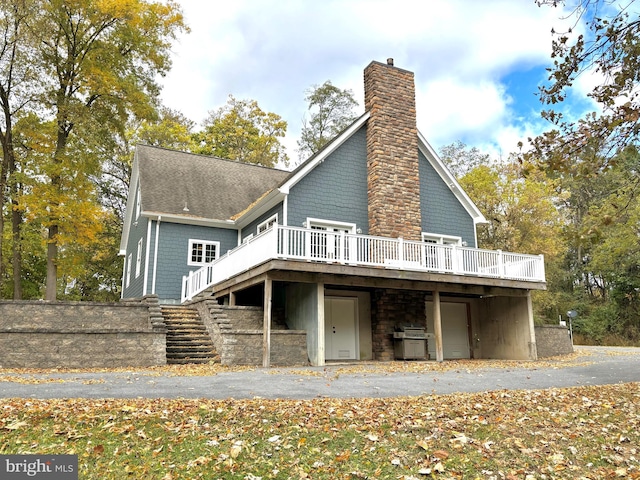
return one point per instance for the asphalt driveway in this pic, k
(591, 366)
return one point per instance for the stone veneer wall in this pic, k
(391, 309)
(236, 332)
(552, 340)
(37, 334)
(392, 152)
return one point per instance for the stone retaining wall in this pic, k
(244, 347)
(552, 340)
(38, 334)
(236, 334)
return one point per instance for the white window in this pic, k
(129, 262)
(139, 258)
(138, 204)
(441, 239)
(202, 252)
(267, 224)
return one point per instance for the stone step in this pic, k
(187, 326)
(200, 343)
(187, 338)
(189, 349)
(185, 355)
(188, 361)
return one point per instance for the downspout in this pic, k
(124, 269)
(146, 260)
(155, 255)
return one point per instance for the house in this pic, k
(370, 236)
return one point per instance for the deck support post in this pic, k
(321, 325)
(266, 335)
(437, 324)
(533, 348)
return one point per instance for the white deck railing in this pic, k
(292, 243)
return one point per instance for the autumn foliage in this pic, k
(584, 432)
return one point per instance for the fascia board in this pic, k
(263, 206)
(446, 175)
(135, 174)
(183, 219)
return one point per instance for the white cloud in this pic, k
(272, 50)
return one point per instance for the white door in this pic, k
(327, 243)
(340, 327)
(455, 330)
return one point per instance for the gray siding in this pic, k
(173, 251)
(442, 213)
(336, 189)
(252, 228)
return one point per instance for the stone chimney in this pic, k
(392, 152)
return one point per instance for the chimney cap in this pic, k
(390, 61)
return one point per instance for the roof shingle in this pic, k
(211, 188)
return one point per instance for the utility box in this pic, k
(410, 343)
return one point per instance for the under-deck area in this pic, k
(351, 312)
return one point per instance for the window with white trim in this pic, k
(441, 239)
(437, 257)
(139, 258)
(138, 208)
(327, 241)
(202, 252)
(267, 224)
(129, 262)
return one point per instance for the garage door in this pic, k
(455, 330)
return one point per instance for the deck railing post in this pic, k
(454, 258)
(276, 244)
(401, 251)
(500, 264)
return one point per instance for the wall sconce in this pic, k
(304, 224)
(359, 231)
(464, 244)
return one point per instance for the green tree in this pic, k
(461, 159)
(612, 225)
(242, 131)
(20, 84)
(611, 48)
(102, 59)
(331, 110)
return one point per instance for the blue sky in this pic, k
(477, 64)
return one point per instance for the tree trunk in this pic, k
(52, 266)
(4, 172)
(16, 260)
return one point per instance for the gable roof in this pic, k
(196, 189)
(209, 187)
(423, 145)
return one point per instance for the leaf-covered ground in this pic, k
(35, 376)
(582, 432)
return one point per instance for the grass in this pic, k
(583, 432)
